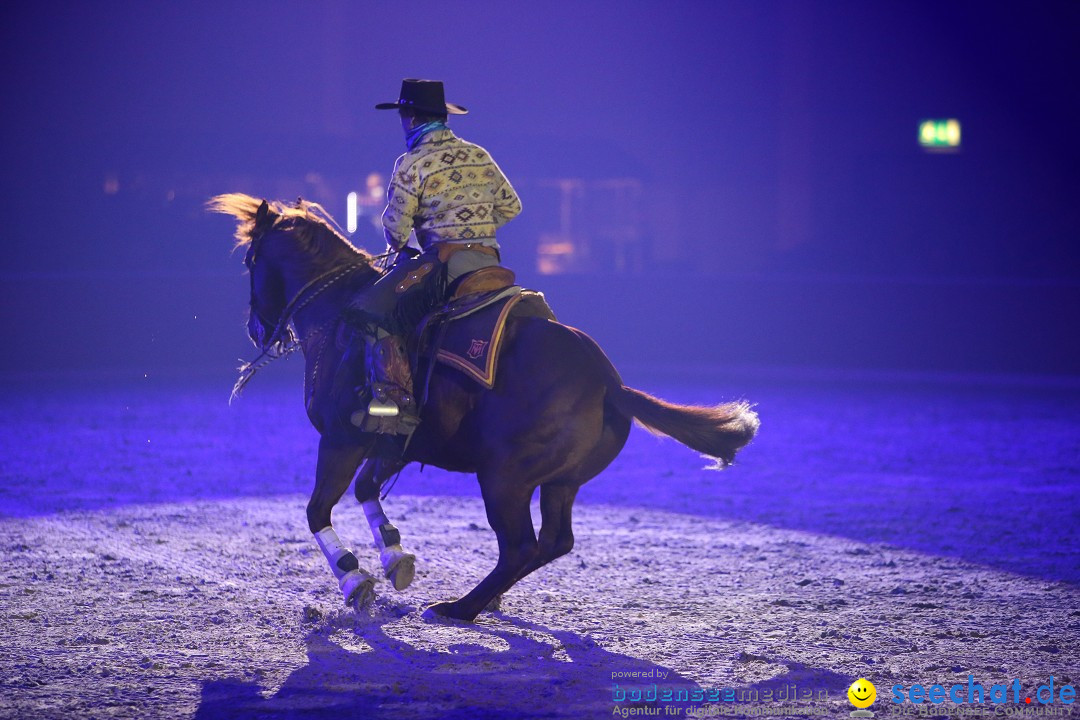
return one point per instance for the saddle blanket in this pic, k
(471, 338)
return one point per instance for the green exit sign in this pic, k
(940, 135)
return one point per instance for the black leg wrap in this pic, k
(347, 563)
(390, 535)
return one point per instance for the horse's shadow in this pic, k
(504, 667)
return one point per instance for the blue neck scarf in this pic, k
(418, 132)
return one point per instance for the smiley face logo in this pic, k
(862, 693)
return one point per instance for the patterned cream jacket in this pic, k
(449, 191)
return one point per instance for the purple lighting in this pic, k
(859, 217)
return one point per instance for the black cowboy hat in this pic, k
(425, 96)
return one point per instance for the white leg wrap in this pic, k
(333, 549)
(329, 542)
(398, 565)
(376, 519)
(356, 585)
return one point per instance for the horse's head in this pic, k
(288, 246)
(268, 300)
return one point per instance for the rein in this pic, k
(276, 346)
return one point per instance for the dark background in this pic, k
(781, 212)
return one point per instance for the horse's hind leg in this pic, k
(556, 533)
(556, 529)
(399, 566)
(557, 496)
(508, 514)
(336, 466)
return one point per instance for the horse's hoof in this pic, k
(358, 589)
(400, 568)
(446, 610)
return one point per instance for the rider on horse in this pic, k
(454, 196)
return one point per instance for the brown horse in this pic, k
(557, 415)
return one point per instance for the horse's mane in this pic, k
(303, 217)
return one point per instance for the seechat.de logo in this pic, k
(975, 693)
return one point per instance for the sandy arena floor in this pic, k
(156, 562)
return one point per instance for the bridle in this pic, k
(283, 340)
(271, 345)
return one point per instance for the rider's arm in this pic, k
(507, 202)
(402, 204)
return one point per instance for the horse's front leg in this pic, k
(399, 566)
(336, 466)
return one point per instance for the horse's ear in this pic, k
(261, 213)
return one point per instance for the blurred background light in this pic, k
(350, 213)
(940, 134)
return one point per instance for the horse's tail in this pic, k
(717, 431)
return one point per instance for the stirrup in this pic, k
(382, 408)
